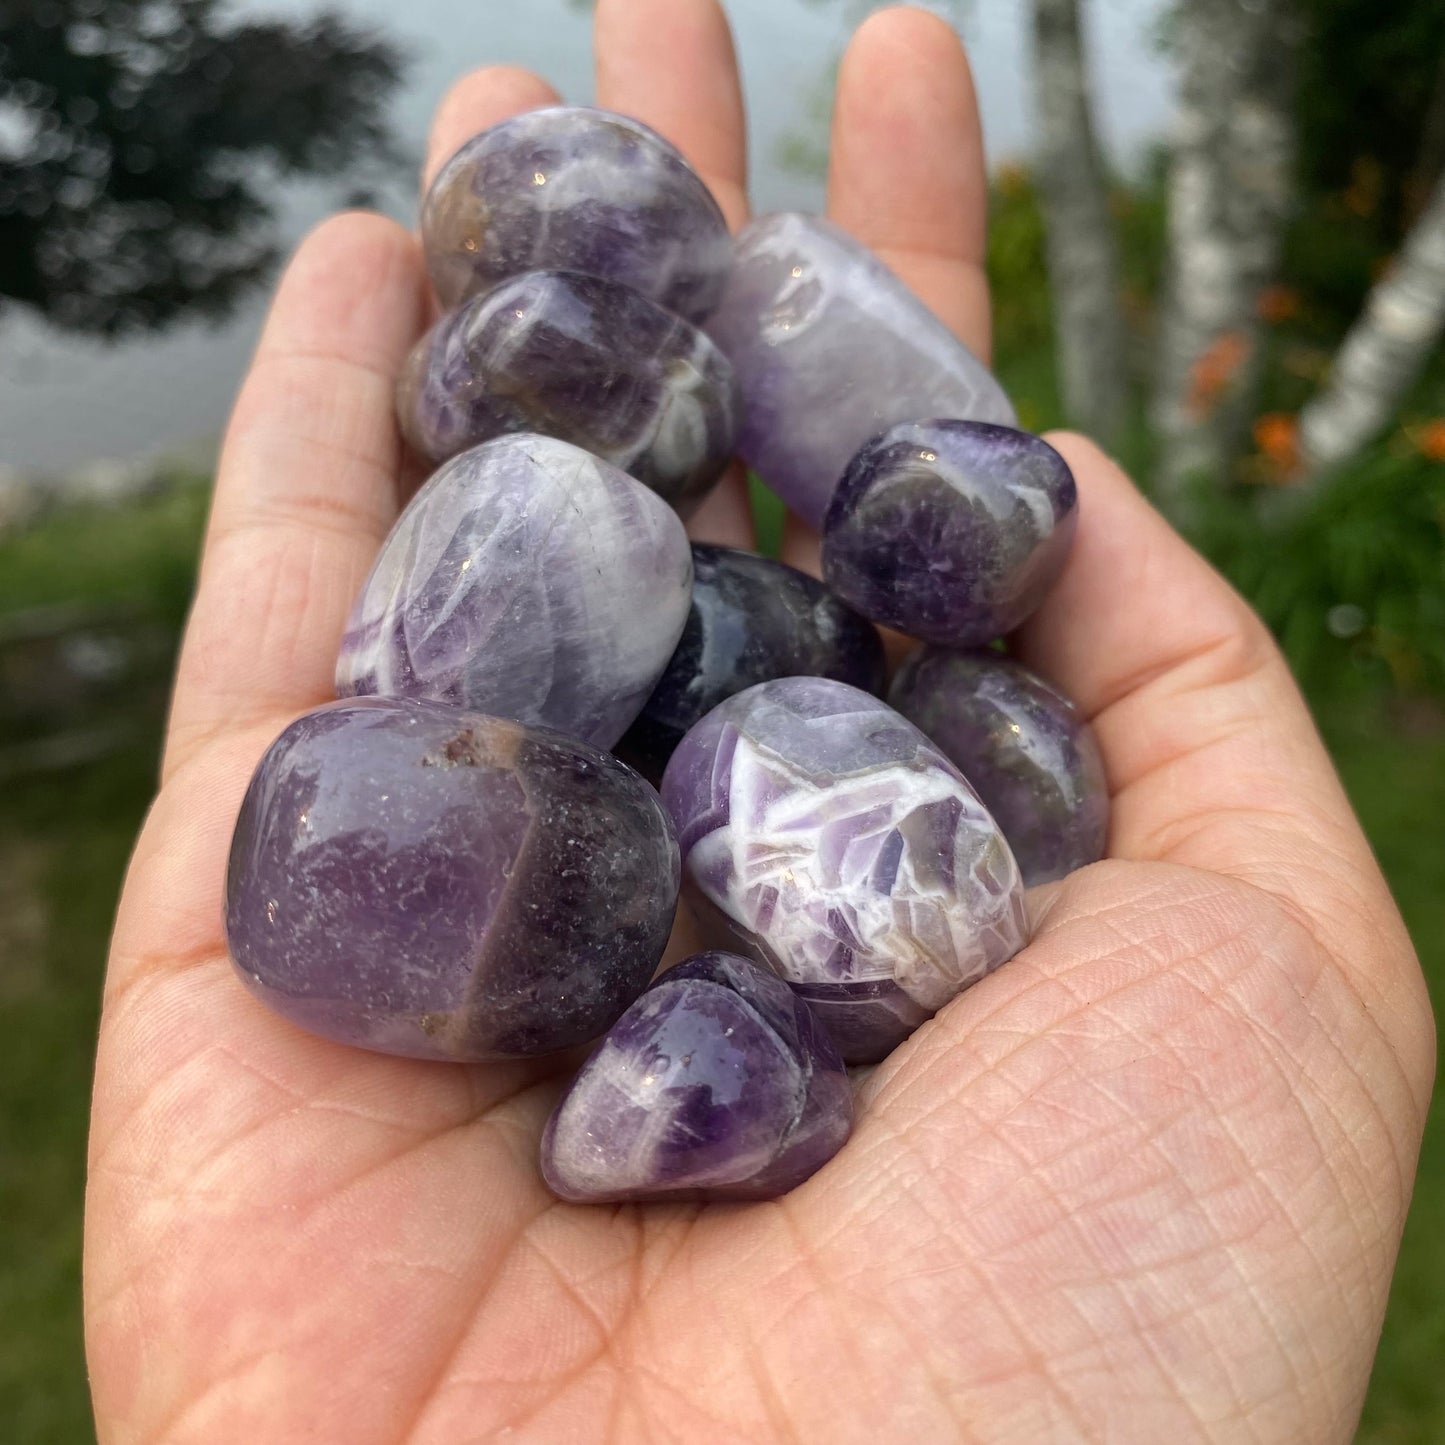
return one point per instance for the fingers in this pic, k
(671, 64)
(477, 101)
(306, 487)
(1212, 756)
(907, 177)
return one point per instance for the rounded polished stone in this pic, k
(844, 848)
(583, 359)
(716, 1084)
(1023, 746)
(950, 531)
(573, 188)
(434, 883)
(530, 580)
(830, 348)
(751, 620)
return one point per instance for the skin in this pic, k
(1145, 1183)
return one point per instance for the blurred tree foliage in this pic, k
(136, 137)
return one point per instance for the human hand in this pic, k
(1146, 1182)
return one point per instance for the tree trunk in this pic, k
(1386, 349)
(1082, 251)
(1230, 193)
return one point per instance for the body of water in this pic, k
(67, 400)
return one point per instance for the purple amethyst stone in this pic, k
(844, 849)
(830, 348)
(582, 359)
(752, 620)
(572, 188)
(1023, 746)
(434, 883)
(529, 580)
(950, 531)
(716, 1084)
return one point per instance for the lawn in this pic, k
(63, 844)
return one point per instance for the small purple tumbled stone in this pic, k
(530, 580)
(583, 359)
(830, 348)
(429, 882)
(1023, 746)
(716, 1084)
(950, 531)
(573, 188)
(844, 850)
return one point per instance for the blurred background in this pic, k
(1218, 243)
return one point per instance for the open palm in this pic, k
(1145, 1183)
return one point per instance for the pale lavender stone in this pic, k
(830, 348)
(716, 1084)
(1023, 746)
(950, 531)
(574, 188)
(845, 849)
(583, 359)
(529, 580)
(430, 882)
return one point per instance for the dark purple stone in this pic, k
(583, 359)
(440, 884)
(844, 848)
(716, 1084)
(752, 620)
(950, 531)
(572, 188)
(1023, 746)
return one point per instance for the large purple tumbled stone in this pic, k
(830, 348)
(429, 882)
(716, 1084)
(752, 619)
(845, 851)
(572, 188)
(950, 531)
(1023, 746)
(583, 359)
(529, 580)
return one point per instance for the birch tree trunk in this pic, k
(1230, 192)
(1082, 250)
(1386, 349)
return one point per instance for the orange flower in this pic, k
(1213, 369)
(1278, 303)
(1276, 434)
(1430, 440)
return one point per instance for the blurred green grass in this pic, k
(64, 840)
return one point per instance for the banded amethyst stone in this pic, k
(582, 359)
(950, 531)
(572, 188)
(716, 1084)
(529, 580)
(752, 620)
(847, 853)
(830, 348)
(439, 884)
(1023, 746)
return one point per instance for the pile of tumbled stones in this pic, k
(449, 863)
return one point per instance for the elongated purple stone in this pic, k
(830, 348)
(751, 620)
(716, 1084)
(583, 359)
(435, 883)
(1023, 746)
(529, 580)
(845, 850)
(950, 531)
(573, 188)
